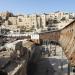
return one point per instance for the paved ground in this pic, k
(53, 65)
(44, 67)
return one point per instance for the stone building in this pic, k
(43, 20)
(34, 22)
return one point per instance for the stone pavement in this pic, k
(44, 67)
(52, 65)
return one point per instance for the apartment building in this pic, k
(35, 21)
(43, 20)
(28, 21)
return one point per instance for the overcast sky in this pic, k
(37, 6)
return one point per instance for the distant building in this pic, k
(36, 22)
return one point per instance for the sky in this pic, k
(37, 6)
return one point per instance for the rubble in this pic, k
(14, 56)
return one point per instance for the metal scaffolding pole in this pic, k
(49, 49)
(55, 49)
(68, 68)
